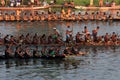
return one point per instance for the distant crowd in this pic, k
(65, 3)
(14, 3)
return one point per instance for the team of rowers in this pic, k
(25, 52)
(84, 37)
(63, 15)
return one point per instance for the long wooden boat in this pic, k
(82, 44)
(59, 6)
(45, 57)
(41, 57)
(97, 8)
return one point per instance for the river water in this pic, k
(101, 63)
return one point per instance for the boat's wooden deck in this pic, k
(59, 6)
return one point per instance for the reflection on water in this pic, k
(102, 63)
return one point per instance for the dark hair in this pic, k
(7, 46)
(36, 46)
(85, 27)
(98, 27)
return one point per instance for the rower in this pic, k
(12, 17)
(12, 40)
(25, 17)
(85, 30)
(49, 17)
(63, 11)
(106, 38)
(62, 16)
(44, 51)
(18, 17)
(31, 17)
(92, 17)
(51, 51)
(114, 37)
(42, 16)
(86, 15)
(73, 17)
(56, 33)
(8, 52)
(35, 39)
(21, 39)
(50, 39)
(27, 53)
(1, 16)
(68, 32)
(67, 51)
(69, 11)
(104, 16)
(79, 16)
(28, 39)
(97, 16)
(94, 33)
(55, 16)
(43, 39)
(6, 39)
(74, 50)
(78, 37)
(35, 52)
(36, 17)
(6, 17)
(18, 52)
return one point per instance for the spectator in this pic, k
(45, 3)
(107, 3)
(100, 3)
(37, 2)
(3, 3)
(51, 2)
(18, 2)
(113, 4)
(55, 1)
(12, 3)
(65, 3)
(72, 3)
(32, 2)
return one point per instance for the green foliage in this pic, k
(85, 2)
(77, 2)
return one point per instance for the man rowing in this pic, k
(27, 53)
(36, 52)
(68, 34)
(94, 33)
(56, 36)
(19, 52)
(8, 52)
